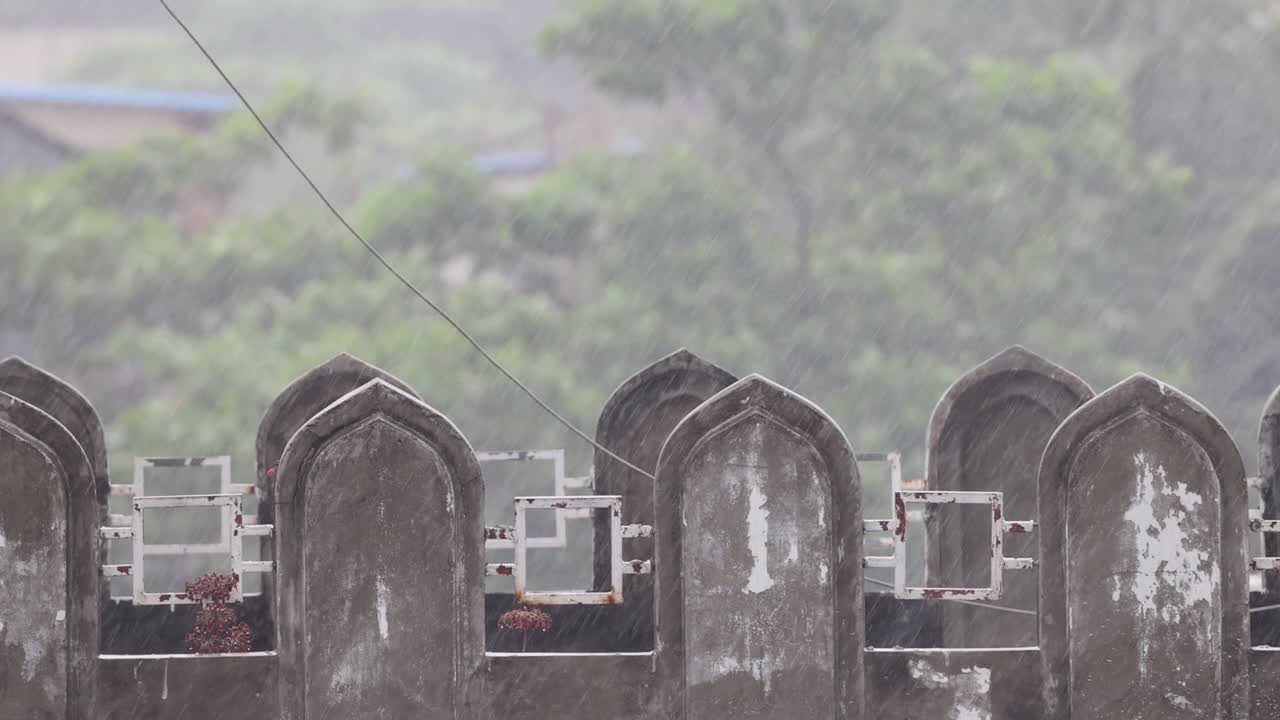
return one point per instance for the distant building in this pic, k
(42, 127)
(516, 170)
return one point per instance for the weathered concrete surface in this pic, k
(307, 395)
(918, 684)
(33, 582)
(214, 687)
(571, 687)
(1144, 509)
(1264, 672)
(911, 684)
(380, 566)
(634, 424)
(315, 390)
(759, 560)
(62, 401)
(988, 433)
(49, 558)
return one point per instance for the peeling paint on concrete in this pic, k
(970, 688)
(761, 668)
(383, 596)
(32, 578)
(758, 541)
(973, 694)
(354, 669)
(1165, 555)
(924, 674)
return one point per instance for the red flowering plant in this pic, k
(525, 621)
(218, 629)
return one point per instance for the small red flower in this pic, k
(524, 621)
(217, 629)
(271, 472)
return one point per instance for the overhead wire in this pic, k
(382, 260)
(999, 608)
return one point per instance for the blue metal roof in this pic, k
(513, 162)
(202, 103)
(517, 162)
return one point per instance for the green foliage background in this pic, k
(873, 197)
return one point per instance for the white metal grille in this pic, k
(1263, 527)
(518, 568)
(502, 538)
(893, 463)
(234, 525)
(903, 516)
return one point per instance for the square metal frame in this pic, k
(902, 500)
(519, 566)
(232, 525)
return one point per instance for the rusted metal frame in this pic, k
(122, 526)
(225, 486)
(519, 566)
(1260, 526)
(1256, 583)
(562, 485)
(893, 459)
(229, 506)
(898, 526)
(233, 520)
(935, 497)
(507, 532)
(629, 567)
(222, 462)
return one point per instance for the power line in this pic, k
(382, 260)
(1000, 608)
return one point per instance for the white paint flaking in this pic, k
(971, 688)
(62, 615)
(822, 573)
(356, 668)
(793, 553)
(2, 540)
(924, 674)
(973, 694)
(822, 510)
(1165, 557)
(164, 692)
(384, 628)
(758, 541)
(760, 668)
